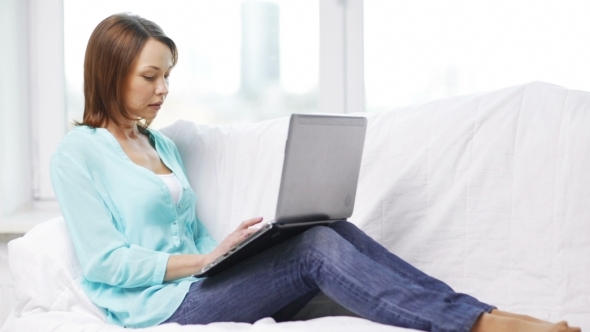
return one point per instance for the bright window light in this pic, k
(425, 49)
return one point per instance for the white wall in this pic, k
(15, 157)
(46, 89)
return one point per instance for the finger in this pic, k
(247, 232)
(250, 222)
(251, 231)
(244, 233)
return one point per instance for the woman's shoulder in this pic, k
(79, 137)
(83, 142)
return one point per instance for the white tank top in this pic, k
(173, 184)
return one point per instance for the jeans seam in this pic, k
(413, 320)
(411, 278)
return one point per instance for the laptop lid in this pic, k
(321, 168)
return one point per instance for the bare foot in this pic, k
(522, 317)
(493, 323)
(531, 319)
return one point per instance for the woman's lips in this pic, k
(156, 106)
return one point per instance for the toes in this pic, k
(562, 326)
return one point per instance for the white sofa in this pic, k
(489, 192)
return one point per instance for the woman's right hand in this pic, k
(235, 237)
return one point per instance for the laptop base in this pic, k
(266, 237)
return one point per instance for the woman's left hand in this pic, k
(235, 237)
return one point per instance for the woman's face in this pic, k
(147, 86)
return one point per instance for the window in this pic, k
(239, 61)
(202, 89)
(426, 49)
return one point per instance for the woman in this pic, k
(130, 211)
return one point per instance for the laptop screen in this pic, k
(321, 168)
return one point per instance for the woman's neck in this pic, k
(126, 132)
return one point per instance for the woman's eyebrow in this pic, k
(154, 67)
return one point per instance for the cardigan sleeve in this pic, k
(103, 251)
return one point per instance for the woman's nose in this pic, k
(162, 88)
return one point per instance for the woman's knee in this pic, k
(343, 225)
(346, 229)
(322, 239)
(319, 233)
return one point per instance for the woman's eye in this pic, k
(149, 78)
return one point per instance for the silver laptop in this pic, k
(318, 185)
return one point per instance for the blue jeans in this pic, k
(345, 264)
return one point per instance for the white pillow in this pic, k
(235, 171)
(47, 274)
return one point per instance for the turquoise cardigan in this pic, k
(124, 225)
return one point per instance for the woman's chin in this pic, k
(150, 116)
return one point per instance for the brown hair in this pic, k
(111, 53)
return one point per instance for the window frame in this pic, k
(342, 86)
(47, 89)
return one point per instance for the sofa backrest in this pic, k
(487, 192)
